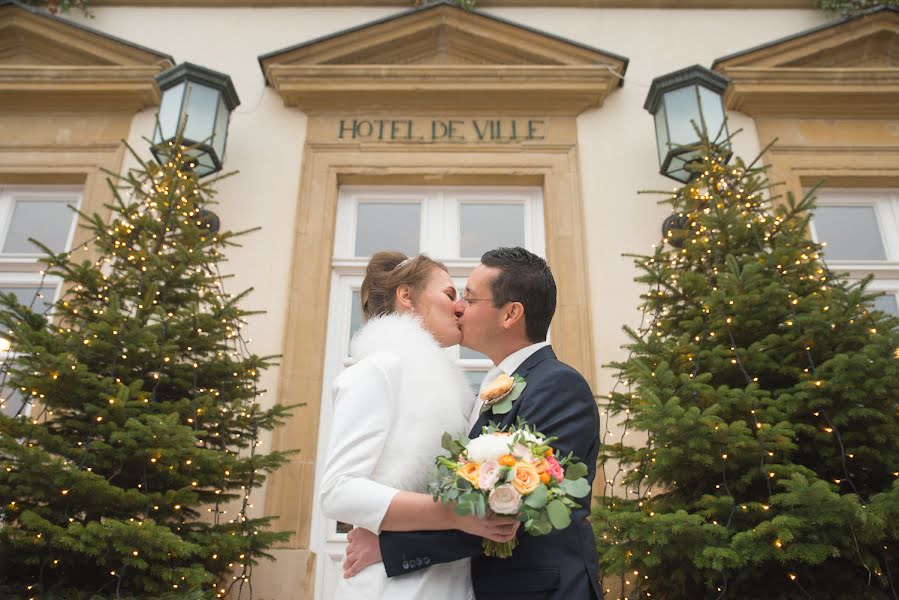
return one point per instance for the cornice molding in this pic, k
(814, 93)
(478, 88)
(77, 88)
(847, 69)
(441, 58)
(47, 63)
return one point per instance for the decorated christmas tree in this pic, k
(127, 465)
(758, 455)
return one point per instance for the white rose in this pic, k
(504, 500)
(488, 475)
(488, 447)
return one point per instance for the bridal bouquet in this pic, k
(510, 472)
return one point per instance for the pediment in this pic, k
(46, 61)
(435, 51)
(849, 68)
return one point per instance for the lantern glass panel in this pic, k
(677, 167)
(683, 109)
(221, 129)
(712, 111)
(170, 112)
(661, 117)
(205, 164)
(201, 104)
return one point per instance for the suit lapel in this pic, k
(526, 367)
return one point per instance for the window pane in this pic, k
(487, 226)
(27, 296)
(11, 400)
(851, 233)
(474, 380)
(48, 222)
(887, 303)
(356, 315)
(388, 226)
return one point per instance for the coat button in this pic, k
(406, 564)
(426, 561)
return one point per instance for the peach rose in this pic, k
(497, 389)
(525, 478)
(469, 472)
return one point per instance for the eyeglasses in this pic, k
(468, 301)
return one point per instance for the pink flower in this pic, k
(521, 451)
(554, 468)
(504, 500)
(488, 475)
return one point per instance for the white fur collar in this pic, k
(401, 334)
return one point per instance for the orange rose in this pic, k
(526, 479)
(541, 465)
(545, 477)
(497, 389)
(507, 460)
(549, 452)
(469, 472)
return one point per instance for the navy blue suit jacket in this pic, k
(563, 565)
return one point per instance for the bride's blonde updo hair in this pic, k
(386, 272)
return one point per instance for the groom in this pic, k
(504, 313)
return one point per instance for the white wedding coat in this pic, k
(390, 411)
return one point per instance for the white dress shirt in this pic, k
(508, 366)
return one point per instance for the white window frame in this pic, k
(23, 269)
(885, 203)
(10, 195)
(439, 239)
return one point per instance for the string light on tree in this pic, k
(756, 409)
(123, 360)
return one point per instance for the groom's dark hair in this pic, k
(524, 277)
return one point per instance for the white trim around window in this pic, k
(885, 205)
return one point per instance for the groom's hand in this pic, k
(363, 550)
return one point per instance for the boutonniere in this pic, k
(500, 393)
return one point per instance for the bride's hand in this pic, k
(498, 528)
(363, 550)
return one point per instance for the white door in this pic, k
(455, 225)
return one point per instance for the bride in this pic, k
(390, 411)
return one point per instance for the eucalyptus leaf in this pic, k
(559, 514)
(575, 471)
(503, 406)
(516, 390)
(447, 442)
(480, 506)
(540, 526)
(577, 488)
(537, 498)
